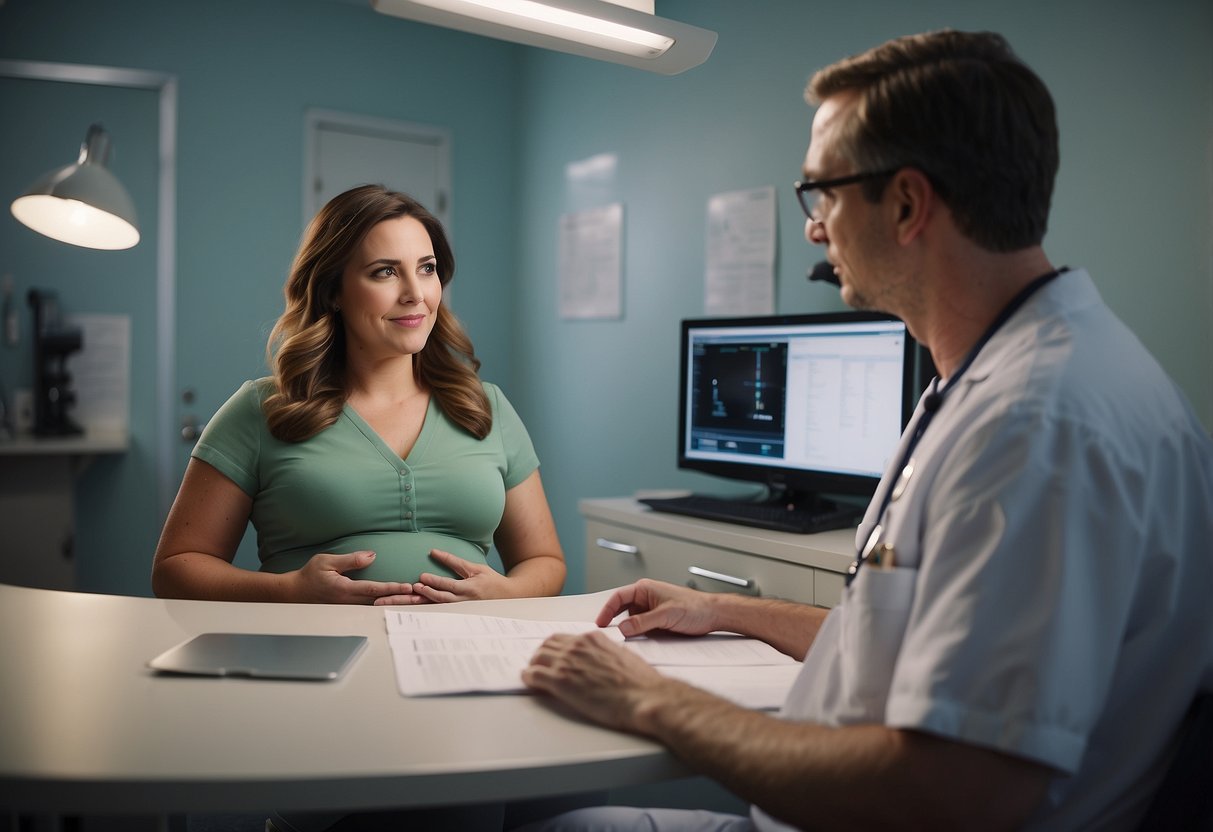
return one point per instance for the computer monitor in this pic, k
(809, 405)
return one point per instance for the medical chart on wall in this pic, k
(591, 182)
(591, 263)
(739, 274)
(101, 371)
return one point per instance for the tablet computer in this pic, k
(261, 656)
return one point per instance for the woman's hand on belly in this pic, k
(476, 581)
(321, 581)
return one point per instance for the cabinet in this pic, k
(37, 481)
(626, 541)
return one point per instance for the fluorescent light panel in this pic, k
(620, 31)
(560, 23)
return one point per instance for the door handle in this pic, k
(191, 429)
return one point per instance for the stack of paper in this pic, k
(445, 653)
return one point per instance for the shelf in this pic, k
(90, 442)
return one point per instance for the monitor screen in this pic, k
(807, 404)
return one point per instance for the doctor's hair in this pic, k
(964, 110)
(307, 350)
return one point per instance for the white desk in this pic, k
(86, 728)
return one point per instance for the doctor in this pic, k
(1027, 620)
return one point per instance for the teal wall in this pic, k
(118, 514)
(1134, 88)
(247, 72)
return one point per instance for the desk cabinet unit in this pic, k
(626, 541)
(37, 507)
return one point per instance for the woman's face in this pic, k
(390, 291)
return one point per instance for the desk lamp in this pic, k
(83, 203)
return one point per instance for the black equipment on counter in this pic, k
(53, 343)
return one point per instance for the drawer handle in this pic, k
(720, 576)
(625, 548)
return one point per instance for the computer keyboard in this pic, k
(775, 516)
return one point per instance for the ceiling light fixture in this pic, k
(621, 31)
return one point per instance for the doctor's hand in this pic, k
(599, 679)
(476, 581)
(655, 605)
(320, 581)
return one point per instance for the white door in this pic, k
(345, 150)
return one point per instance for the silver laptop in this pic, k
(261, 656)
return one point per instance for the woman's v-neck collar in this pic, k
(415, 453)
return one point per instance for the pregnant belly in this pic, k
(399, 556)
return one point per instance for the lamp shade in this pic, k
(82, 203)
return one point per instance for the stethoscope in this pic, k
(882, 553)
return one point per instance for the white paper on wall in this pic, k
(101, 372)
(591, 263)
(739, 276)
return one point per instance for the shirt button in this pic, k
(408, 515)
(408, 499)
(408, 486)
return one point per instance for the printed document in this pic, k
(449, 653)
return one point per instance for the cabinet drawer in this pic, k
(614, 556)
(617, 555)
(828, 587)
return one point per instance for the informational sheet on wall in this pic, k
(101, 372)
(591, 263)
(591, 182)
(740, 272)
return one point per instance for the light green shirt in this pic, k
(344, 489)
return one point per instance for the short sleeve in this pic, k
(521, 460)
(1013, 640)
(231, 440)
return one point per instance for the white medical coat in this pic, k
(1050, 596)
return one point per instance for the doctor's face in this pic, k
(844, 221)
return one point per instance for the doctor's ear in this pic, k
(914, 196)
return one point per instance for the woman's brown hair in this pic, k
(306, 348)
